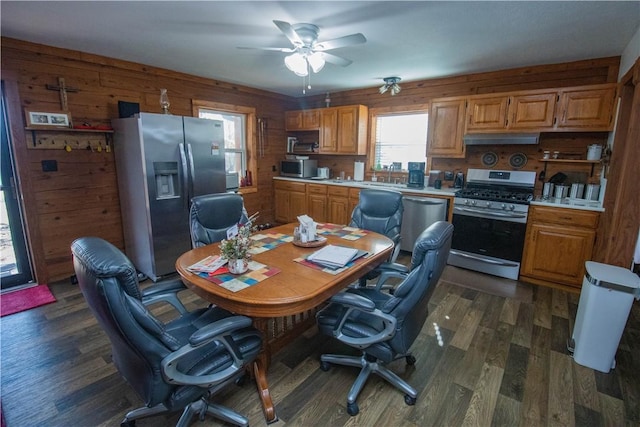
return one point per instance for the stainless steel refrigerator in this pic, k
(162, 161)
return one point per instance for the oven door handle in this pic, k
(485, 260)
(489, 213)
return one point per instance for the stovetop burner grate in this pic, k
(520, 197)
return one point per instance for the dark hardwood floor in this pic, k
(484, 358)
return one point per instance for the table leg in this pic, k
(260, 374)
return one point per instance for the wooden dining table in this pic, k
(284, 305)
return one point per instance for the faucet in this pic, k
(390, 167)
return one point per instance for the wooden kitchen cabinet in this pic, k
(354, 199)
(317, 202)
(329, 131)
(338, 199)
(532, 111)
(586, 108)
(290, 200)
(302, 120)
(446, 128)
(558, 243)
(344, 130)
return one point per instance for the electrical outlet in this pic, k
(49, 166)
(274, 168)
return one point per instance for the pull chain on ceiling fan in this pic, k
(307, 54)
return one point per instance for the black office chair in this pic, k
(384, 326)
(211, 215)
(379, 211)
(172, 366)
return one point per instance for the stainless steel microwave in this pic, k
(299, 168)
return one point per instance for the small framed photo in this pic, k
(42, 119)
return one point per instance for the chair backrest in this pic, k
(379, 211)
(109, 283)
(212, 214)
(411, 296)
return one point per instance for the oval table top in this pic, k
(296, 288)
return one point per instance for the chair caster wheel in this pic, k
(410, 360)
(324, 366)
(131, 423)
(409, 400)
(241, 381)
(352, 409)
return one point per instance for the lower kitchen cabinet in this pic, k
(290, 200)
(339, 205)
(558, 243)
(317, 202)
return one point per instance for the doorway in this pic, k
(15, 268)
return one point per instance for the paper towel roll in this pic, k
(358, 171)
(636, 253)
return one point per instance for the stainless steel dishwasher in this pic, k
(419, 213)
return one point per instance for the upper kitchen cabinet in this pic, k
(587, 108)
(446, 128)
(533, 111)
(302, 120)
(341, 130)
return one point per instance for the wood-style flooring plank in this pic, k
(560, 390)
(506, 413)
(535, 398)
(485, 396)
(509, 312)
(542, 300)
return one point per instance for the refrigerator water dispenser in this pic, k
(166, 180)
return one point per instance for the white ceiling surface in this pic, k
(414, 40)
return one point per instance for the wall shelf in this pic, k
(593, 163)
(70, 139)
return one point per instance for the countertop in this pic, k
(427, 191)
(568, 203)
(580, 204)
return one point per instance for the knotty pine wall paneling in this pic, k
(81, 197)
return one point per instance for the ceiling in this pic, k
(414, 40)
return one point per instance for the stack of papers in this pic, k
(208, 265)
(335, 256)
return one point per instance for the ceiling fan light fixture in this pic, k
(316, 61)
(297, 63)
(390, 83)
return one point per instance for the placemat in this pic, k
(263, 242)
(257, 273)
(344, 232)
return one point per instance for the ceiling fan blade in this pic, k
(276, 49)
(288, 31)
(334, 59)
(351, 40)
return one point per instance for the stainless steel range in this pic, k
(490, 221)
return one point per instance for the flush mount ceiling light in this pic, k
(307, 53)
(391, 83)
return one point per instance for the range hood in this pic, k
(502, 139)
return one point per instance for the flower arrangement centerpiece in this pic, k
(235, 249)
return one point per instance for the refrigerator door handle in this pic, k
(185, 182)
(192, 171)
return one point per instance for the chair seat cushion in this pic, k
(359, 324)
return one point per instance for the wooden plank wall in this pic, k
(81, 198)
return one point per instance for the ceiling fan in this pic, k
(307, 52)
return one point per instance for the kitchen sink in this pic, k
(383, 184)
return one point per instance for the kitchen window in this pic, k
(239, 134)
(399, 135)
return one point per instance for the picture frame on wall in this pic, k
(42, 119)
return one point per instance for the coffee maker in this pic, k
(416, 174)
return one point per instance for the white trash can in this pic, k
(605, 301)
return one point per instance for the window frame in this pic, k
(250, 134)
(387, 111)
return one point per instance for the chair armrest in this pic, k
(165, 292)
(389, 271)
(353, 303)
(216, 331)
